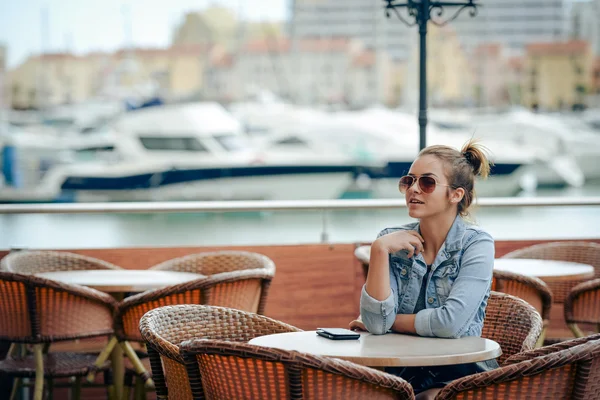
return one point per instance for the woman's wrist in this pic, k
(378, 247)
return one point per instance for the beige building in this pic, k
(62, 78)
(220, 25)
(557, 75)
(490, 75)
(449, 73)
(49, 79)
(308, 71)
(515, 77)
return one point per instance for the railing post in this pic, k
(325, 227)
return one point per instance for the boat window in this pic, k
(172, 144)
(93, 152)
(231, 142)
(291, 141)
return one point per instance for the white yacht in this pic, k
(194, 151)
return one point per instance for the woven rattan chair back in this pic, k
(163, 329)
(512, 323)
(238, 289)
(35, 262)
(580, 252)
(37, 310)
(582, 308)
(226, 370)
(218, 262)
(569, 373)
(210, 263)
(533, 290)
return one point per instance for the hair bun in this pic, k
(476, 157)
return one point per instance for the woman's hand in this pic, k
(357, 325)
(393, 242)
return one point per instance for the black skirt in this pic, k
(424, 378)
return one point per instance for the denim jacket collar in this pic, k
(453, 240)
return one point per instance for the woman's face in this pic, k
(443, 198)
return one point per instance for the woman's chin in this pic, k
(413, 213)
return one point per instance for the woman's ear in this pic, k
(457, 195)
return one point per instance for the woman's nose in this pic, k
(415, 188)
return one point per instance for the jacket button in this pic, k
(403, 272)
(430, 300)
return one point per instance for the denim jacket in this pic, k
(458, 285)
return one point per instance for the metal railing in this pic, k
(287, 205)
(324, 206)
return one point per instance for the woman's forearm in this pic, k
(378, 278)
(404, 323)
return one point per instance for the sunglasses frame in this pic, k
(417, 180)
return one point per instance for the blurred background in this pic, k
(287, 100)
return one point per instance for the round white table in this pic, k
(121, 280)
(389, 350)
(547, 270)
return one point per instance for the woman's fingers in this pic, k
(357, 325)
(418, 245)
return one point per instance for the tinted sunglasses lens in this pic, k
(405, 183)
(427, 184)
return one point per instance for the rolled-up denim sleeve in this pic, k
(378, 316)
(472, 284)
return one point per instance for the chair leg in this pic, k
(576, 331)
(127, 385)
(102, 357)
(50, 389)
(76, 391)
(140, 389)
(110, 387)
(39, 372)
(17, 384)
(540, 341)
(137, 364)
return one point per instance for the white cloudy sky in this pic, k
(86, 25)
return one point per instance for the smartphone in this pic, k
(337, 333)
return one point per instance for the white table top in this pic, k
(389, 350)
(545, 269)
(125, 280)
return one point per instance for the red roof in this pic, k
(364, 59)
(314, 45)
(558, 48)
(516, 63)
(56, 56)
(488, 49)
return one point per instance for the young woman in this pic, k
(433, 277)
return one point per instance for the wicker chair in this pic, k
(39, 312)
(512, 323)
(243, 290)
(553, 348)
(211, 263)
(163, 329)
(35, 262)
(572, 372)
(583, 307)
(533, 290)
(225, 370)
(580, 252)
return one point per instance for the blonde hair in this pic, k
(462, 167)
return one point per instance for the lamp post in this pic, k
(421, 11)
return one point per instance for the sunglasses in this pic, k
(427, 184)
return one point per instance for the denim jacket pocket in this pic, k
(443, 278)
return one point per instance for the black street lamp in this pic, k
(421, 11)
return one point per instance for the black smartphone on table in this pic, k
(337, 333)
